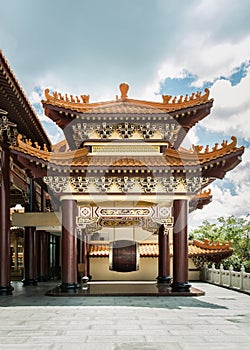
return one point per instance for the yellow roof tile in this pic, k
(195, 248)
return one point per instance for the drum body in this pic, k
(124, 256)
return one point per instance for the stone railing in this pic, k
(238, 280)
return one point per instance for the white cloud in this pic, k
(224, 203)
(34, 97)
(204, 58)
(231, 111)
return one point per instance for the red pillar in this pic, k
(30, 245)
(69, 245)
(30, 257)
(86, 247)
(5, 286)
(164, 256)
(43, 255)
(180, 247)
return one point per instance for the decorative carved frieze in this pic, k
(126, 130)
(8, 130)
(167, 131)
(80, 183)
(150, 225)
(148, 184)
(93, 227)
(147, 130)
(104, 130)
(124, 212)
(194, 184)
(103, 184)
(86, 216)
(56, 183)
(123, 222)
(163, 215)
(125, 183)
(83, 222)
(170, 184)
(149, 218)
(80, 132)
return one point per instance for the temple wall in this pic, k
(148, 270)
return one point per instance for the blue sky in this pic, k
(157, 46)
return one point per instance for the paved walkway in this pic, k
(218, 320)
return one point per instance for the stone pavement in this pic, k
(218, 320)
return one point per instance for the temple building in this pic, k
(111, 200)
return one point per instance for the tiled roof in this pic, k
(171, 157)
(201, 199)
(124, 108)
(15, 103)
(152, 250)
(124, 104)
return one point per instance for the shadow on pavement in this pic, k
(35, 296)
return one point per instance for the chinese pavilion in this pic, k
(120, 175)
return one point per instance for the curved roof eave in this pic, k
(17, 105)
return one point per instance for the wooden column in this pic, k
(180, 247)
(30, 257)
(79, 256)
(5, 286)
(30, 245)
(43, 246)
(43, 255)
(164, 256)
(69, 245)
(43, 200)
(57, 258)
(86, 255)
(83, 256)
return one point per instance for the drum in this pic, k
(124, 256)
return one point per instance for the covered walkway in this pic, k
(218, 320)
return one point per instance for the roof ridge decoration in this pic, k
(169, 103)
(198, 149)
(206, 244)
(26, 146)
(187, 100)
(68, 99)
(205, 193)
(209, 154)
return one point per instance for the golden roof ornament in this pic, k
(124, 87)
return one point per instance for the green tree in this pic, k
(228, 229)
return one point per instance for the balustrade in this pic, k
(238, 280)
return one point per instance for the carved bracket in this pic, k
(125, 183)
(148, 184)
(103, 184)
(8, 130)
(56, 183)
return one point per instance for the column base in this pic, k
(6, 290)
(164, 279)
(181, 287)
(68, 287)
(29, 282)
